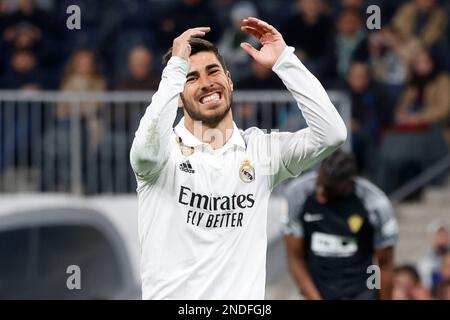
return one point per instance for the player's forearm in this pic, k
(387, 276)
(303, 279)
(326, 125)
(385, 258)
(150, 145)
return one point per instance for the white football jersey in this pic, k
(203, 212)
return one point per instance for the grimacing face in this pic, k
(207, 92)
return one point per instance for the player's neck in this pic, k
(320, 197)
(216, 136)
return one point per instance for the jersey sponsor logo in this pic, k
(186, 167)
(247, 171)
(215, 212)
(218, 220)
(220, 203)
(330, 245)
(309, 217)
(355, 221)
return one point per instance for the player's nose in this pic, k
(205, 83)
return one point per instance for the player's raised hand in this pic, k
(271, 40)
(181, 47)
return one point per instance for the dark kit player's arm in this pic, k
(298, 269)
(385, 258)
(150, 151)
(385, 237)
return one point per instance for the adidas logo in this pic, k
(186, 167)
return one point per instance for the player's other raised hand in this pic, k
(271, 40)
(181, 47)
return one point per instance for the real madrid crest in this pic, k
(185, 150)
(246, 171)
(355, 222)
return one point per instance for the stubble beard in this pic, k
(209, 121)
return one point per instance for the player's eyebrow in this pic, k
(211, 66)
(192, 73)
(207, 68)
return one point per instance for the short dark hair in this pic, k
(409, 269)
(350, 12)
(199, 45)
(337, 173)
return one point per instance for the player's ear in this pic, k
(230, 82)
(180, 101)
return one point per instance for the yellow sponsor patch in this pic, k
(355, 222)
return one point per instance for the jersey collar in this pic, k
(192, 141)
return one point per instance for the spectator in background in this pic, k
(125, 25)
(248, 114)
(3, 57)
(443, 276)
(81, 75)
(28, 27)
(27, 12)
(407, 284)
(23, 73)
(429, 265)
(229, 44)
(425, 20)
(310, 31)
(184, 15)
(22, 36)
(368, 109)
(350, 41)
(140, 68)
(123, 120)
(357, 5)
(424, 99)
(390, 57)
(15, 133)
(443, 290)
(416, 141)
(5, 7)
(261, 78)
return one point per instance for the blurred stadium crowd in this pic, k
(429, 278)
(397, 77)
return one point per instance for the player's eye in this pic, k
(214, 71)
(190, 79)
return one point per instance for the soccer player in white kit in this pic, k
(204, 185)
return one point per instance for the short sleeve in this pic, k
(381, 213)
(296, 194)
(386, 228)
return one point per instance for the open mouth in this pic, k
(211, 99)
